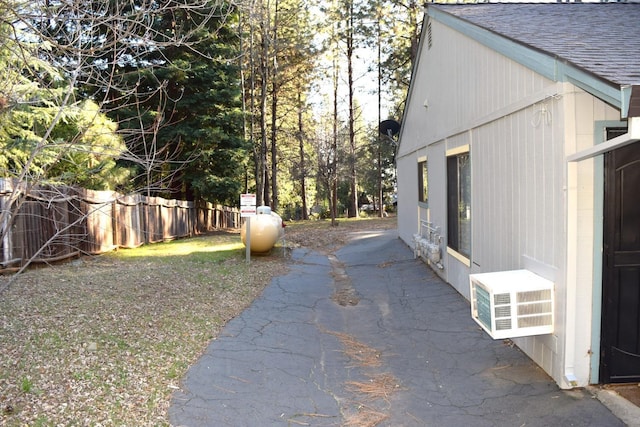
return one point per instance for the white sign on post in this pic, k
(247, 205)
(247, 210)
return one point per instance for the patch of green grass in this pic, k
(114, 333)
(26, 385)
(210, 248)
(114, 340)
(85, 375)
(41, 421)
(51, 339)
(176, 370)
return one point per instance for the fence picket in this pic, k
(53, 223)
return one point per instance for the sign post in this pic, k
(248, 210)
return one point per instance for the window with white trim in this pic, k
(423, 187)
(459, 202)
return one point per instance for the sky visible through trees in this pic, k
(207, 99)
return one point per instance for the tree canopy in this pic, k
(204, 100)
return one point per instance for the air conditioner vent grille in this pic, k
(503, 324)
(530, 296)
(534, 308)
(503, 311)
(502, 299)
(511, 304)
(534, 321)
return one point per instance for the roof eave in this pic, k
(544, 63)
(409, 97)
(631, 99)
(633, 130)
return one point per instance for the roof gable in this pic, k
(602, 39)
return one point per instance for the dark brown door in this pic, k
(620, 352)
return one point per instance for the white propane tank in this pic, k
(266, 229)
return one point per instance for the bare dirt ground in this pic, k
(321, 236)
(104, 340)
(631, 392)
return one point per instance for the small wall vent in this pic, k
(510, 304)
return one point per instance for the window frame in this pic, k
(459, 203)
(423, 181)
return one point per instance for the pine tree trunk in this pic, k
(353, 182)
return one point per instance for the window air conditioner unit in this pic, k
(510, 304)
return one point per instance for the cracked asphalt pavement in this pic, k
(369, 336)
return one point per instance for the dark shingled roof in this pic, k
(600, 38)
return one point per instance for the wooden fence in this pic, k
(54, 223)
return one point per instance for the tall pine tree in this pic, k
(183, 119)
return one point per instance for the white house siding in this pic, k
(462, 83)
(582, 297)
(530, 208)
(519, 205)
(408, 210)
(472, 92)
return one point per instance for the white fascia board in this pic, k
(414, 72)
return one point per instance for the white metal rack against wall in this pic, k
(427, 242)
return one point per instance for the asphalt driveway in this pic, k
(370, 336)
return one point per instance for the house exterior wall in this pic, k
(472, 84)
(530, 207)
(408, 208)
(584, 127)
(519, 206)
(469, 90)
